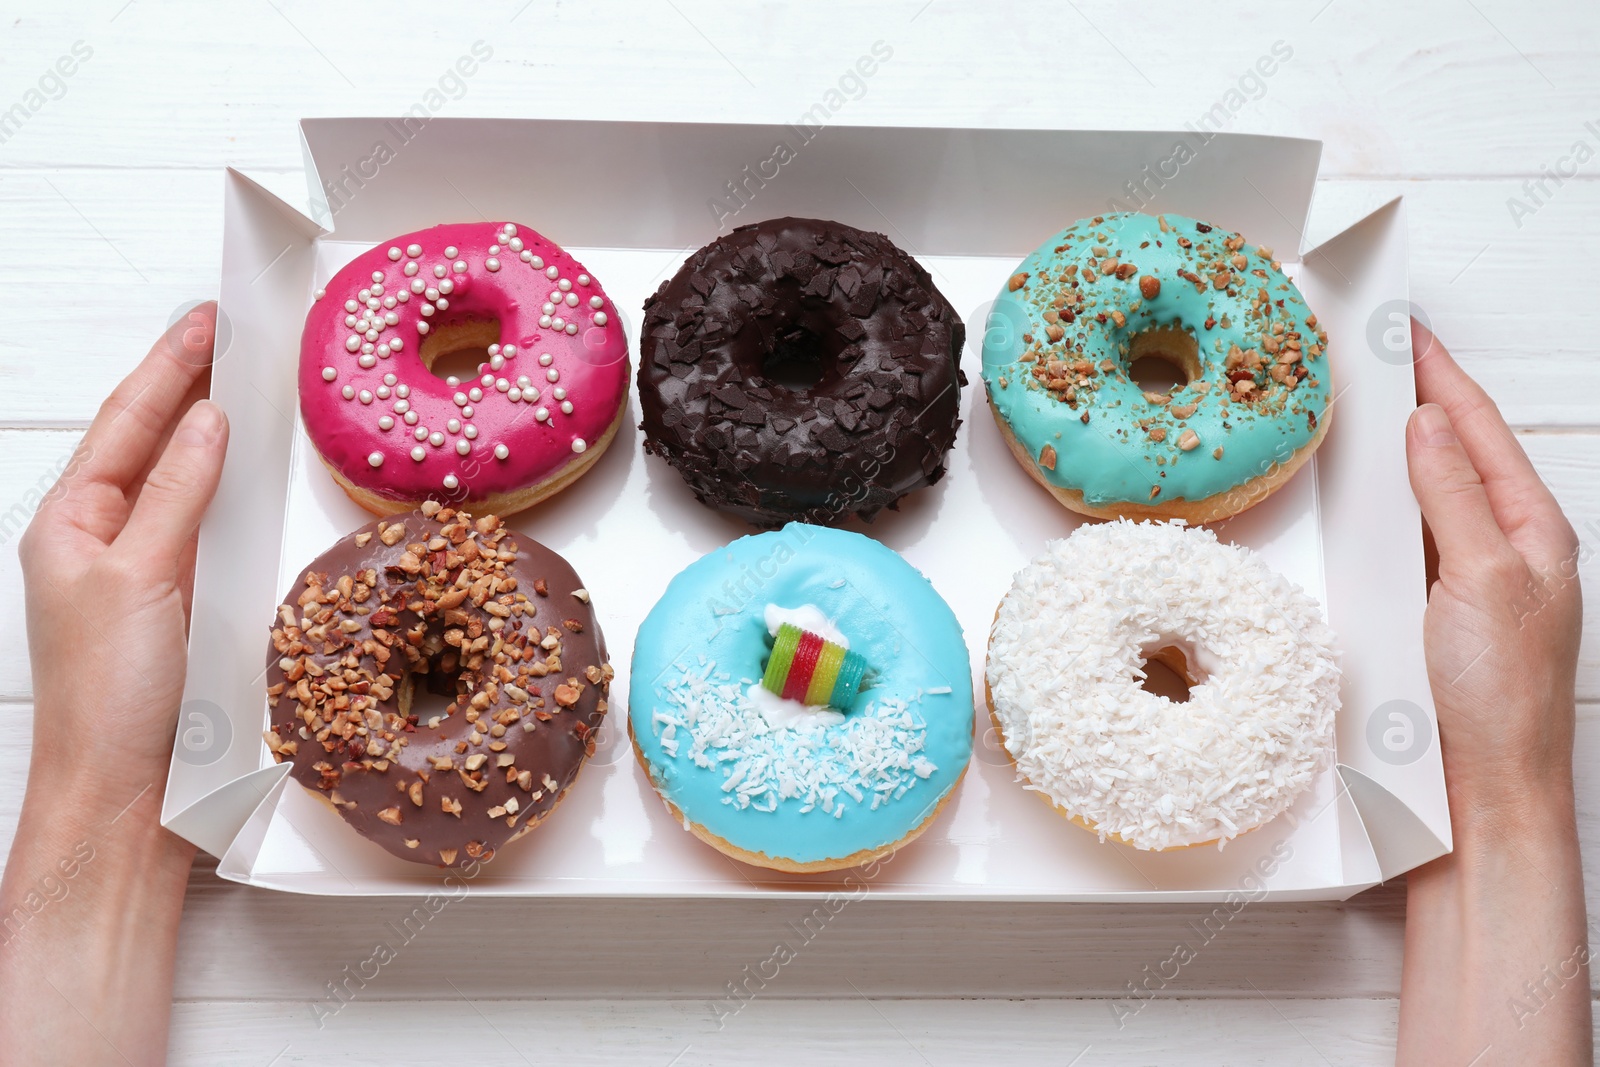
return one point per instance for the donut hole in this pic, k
(431, 693)
(458, 349)
(1168, 672)
(1163, 359)
(797, 359)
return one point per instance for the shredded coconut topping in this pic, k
(1066, 660)
(868, 760)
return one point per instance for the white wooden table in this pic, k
(110, 207)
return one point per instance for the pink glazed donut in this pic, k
(540, 411)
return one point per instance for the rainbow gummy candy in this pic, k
(808, 668)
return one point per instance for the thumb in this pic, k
(178, 488)
(1450, 492)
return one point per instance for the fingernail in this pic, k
(201, 425)
(1433, 426)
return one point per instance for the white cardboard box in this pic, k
(631, 200)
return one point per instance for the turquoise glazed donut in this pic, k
(776, 782)
(1105, 292)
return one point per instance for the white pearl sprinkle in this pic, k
(471, 433)
(566, 407)
(600, 318)
(583, 279)
(514, 394)
(362, 296)
(447, 287)
(509, 351)
(451, 481)
(383, 392)
(375, 459)
(411, 418)
(494, 250)
(544, 321)
(422, 327)
(402, 405)
(572, 300)
(491, 264)
(548, 309)
(487, 379)
(351, 306)
(515, 244)
(496, 362)
(431, 293)
(436, 439)
(368, 361)
(420, 433)
(439, 271)
(442, 303)
(526, 256)
(541, 414)
(402, 391)
(390, 318)
(475, 394)
(394, 253)
(563, 285)
(365, 396)
(545, 359)
(388, 302)
(459, 266)
(537, 263)
(553, 375)
(389, 379)
(578, 444)
(383, 351)
(419, 453)
(530, 395)
(466, 412)
(460, 399)
(500, 384)
(411, 270)
(559, 392)
(454, 425)
(597, 302)
(377, 276)
(348, 392)
(452, 381)
(494, 350)
(501, 451)
(413, 250)
(352, 343)
(572, 328)
(386, 423)
(368, 348)
(450, 252)
(329, 374)
(463, 448)
(553, 273)
(319, 294)
(404, 296)
(559, 323)
(524, 381)
(426, 309)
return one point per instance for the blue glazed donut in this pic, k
(774, 782)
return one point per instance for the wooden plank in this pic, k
(1513, 303)
(245, 943)
(890, 1033)
(1570, 463)
(1444, 89)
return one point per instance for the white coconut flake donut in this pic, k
(1066, 662)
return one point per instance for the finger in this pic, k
(177, 492)
(1523, 505)
(1454, 503)
(127, 432)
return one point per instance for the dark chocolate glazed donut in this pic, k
(466, 608)
(798, 369)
